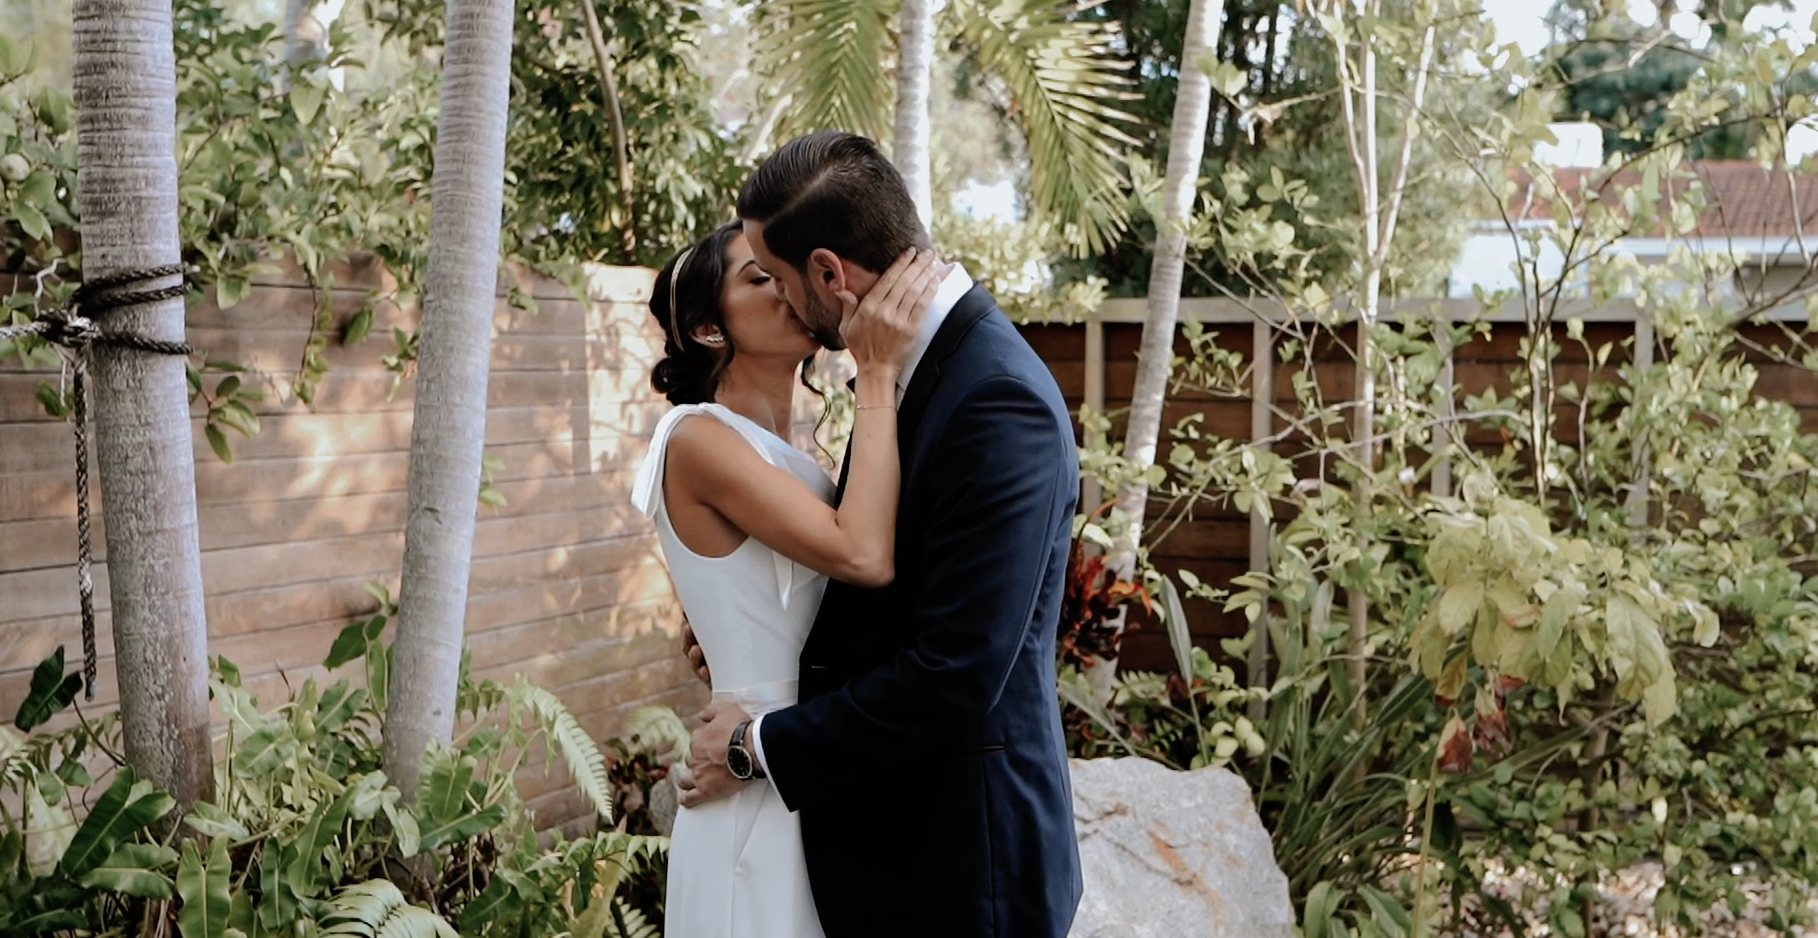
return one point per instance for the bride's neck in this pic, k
(763, 395)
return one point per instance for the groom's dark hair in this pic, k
(833, 190)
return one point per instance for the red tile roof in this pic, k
(1742, 200)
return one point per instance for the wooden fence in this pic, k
(567, 586)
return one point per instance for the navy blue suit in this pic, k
(926, 755)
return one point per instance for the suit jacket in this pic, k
(926, 756)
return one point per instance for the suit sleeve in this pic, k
(1001, 478)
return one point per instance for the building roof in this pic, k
(1742, 200)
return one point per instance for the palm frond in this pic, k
(830, 59)
(376, 909)
(1065, 82)
(586, 764)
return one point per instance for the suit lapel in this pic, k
(970, 309)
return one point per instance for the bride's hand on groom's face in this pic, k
(880, 329)
(708, 778)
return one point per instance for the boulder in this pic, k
(1169, 854)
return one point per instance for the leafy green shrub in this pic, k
(305, 835)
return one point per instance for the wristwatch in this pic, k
(739, 758)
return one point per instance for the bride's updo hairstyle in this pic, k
(685, 300)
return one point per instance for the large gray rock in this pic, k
(1171, 854)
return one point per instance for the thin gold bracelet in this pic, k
(875, 407)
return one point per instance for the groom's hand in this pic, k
(708, 778)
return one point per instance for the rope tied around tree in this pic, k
(74, 329)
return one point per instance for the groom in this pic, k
(926, 756)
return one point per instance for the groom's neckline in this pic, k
(952, 289)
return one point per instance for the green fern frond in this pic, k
(376, 909)
(659, 730)
(628, 922)
(1064, 81)
(586, 764)
(830, 58)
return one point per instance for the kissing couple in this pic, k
(883, 755)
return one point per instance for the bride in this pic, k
(749, 531)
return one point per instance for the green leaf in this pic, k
(218, 442)
(318, 834)
(236, 414)
(306, 99)
(497, 902)
(1179, 638)
(463, 828)
(358, 328)
(50, 691)
(133, 869)
(404, 828)
(1458, 605)
(264, 751)
(586, 764)
(442, 794)
(32, 221)
(55, 404)
(227, 386)
(40, 188)
(49, 827)
(211, 822)
(127, 807)
(353, 641)
(828, 60)
(229, 291)
(202, 886)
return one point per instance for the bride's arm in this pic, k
(856, 542)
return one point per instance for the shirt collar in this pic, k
(955, 286)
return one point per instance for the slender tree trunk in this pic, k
(1186, 148)
(1381, 211)
(125, 95)
(914, 75)
(466, 197)
(615, 119)
(305, 33)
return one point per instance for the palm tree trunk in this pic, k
(615, 120)
(914, 71)
(466, 198)
(125, 96)
(1186, 147)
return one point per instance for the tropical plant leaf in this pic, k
(305, 853)
(202, 887)
(51, 690)
(586, 764)
(1064, 81)
(49, 827)
(461, 828)
(211, 822)
(442, 794)
(126, 808)
(134, 870)
(1179, 638)
(830, 59)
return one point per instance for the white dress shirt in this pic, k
(956, 285)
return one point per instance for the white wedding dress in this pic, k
(735, 865)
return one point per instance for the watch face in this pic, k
(739, 762)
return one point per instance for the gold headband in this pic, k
(675, 274)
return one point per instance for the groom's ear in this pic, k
(827, 270)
